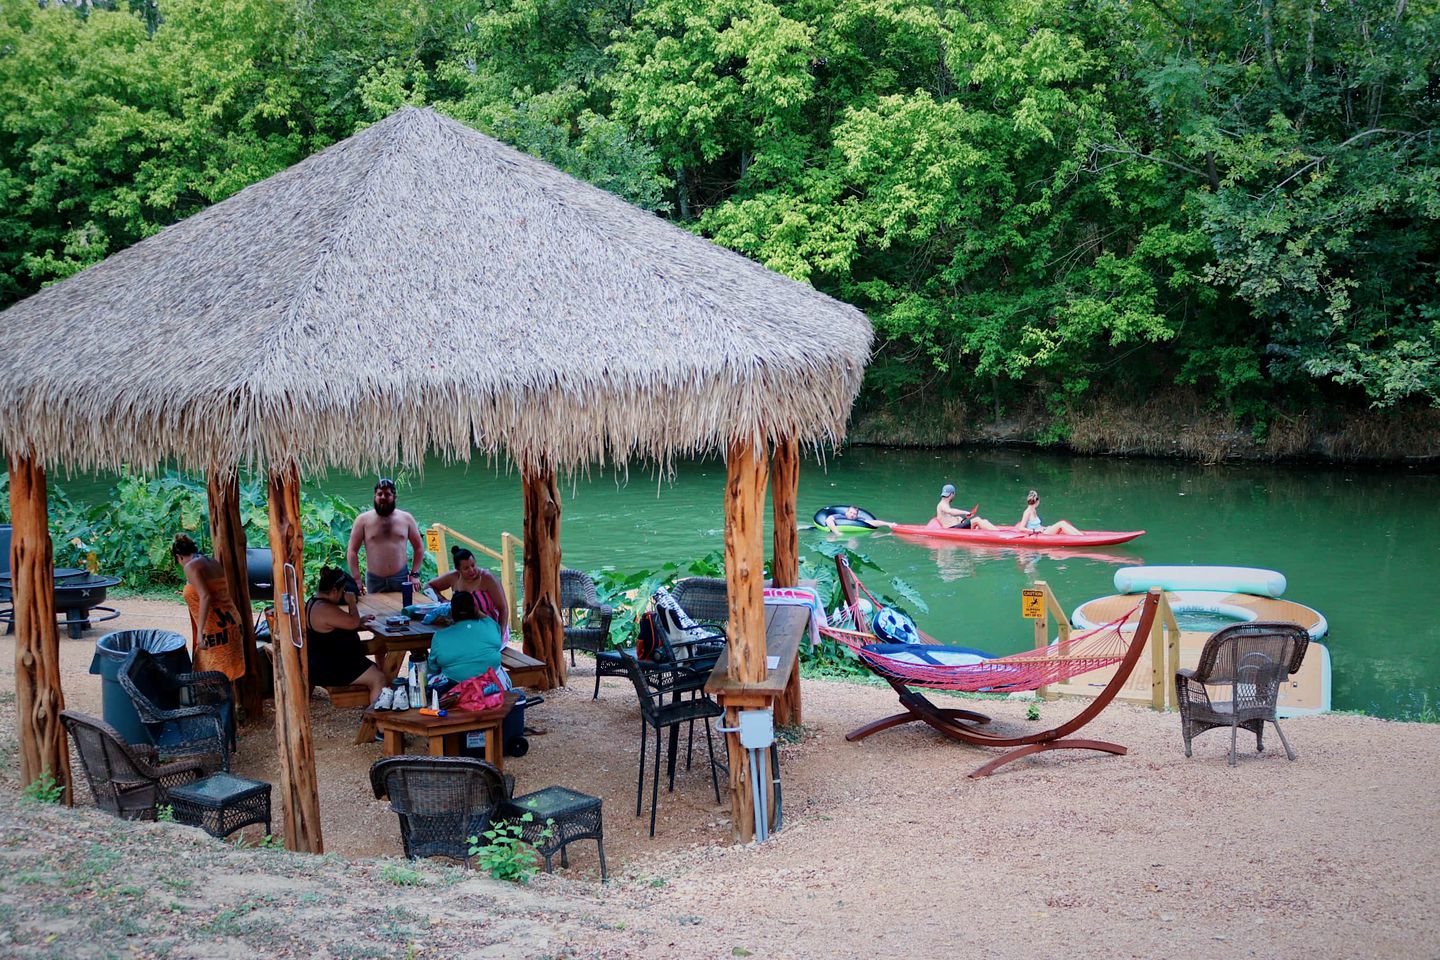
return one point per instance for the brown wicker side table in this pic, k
(222, 803)
(570, 815)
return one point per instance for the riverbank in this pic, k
(888, 849)
(1180, 425)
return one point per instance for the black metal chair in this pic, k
(125, 779)
(187, 714)
(662, 707)
(441, 801)
(587, 625)
(1249, 661)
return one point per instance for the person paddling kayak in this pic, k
(1030, 520)
(949, 516)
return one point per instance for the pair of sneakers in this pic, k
(396, 697)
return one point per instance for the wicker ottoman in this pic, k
(575, 816)
(222, 803)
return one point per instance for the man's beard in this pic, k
(385, 509)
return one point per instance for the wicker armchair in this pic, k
(1248, 662)
(125, 780)
(186, 713)
(587, 620)
(577, 596)
(441, 801)
(705, 599)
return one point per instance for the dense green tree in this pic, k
(1064, 197)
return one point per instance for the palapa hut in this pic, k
(418, 286)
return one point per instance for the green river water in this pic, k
(1360, 545)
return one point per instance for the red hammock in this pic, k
(1104, 646)
(1025, 671)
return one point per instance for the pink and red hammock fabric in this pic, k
(1105, 646)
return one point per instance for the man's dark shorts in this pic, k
(391, 584)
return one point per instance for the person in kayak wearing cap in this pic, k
(947, 515)
(383, 533)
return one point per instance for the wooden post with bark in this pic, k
(227, 536)
(299, 793)
(745, 478)
(542, 628)
(38, 697)
(785, 556)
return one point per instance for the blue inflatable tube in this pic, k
(1252, 580)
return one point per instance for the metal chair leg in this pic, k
(655, 787)
(714, 780)
(1286, 743)
(1234, 734)
(596, 694)
(640, 782)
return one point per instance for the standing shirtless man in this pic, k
(383, 533)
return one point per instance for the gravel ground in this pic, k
(888, 849)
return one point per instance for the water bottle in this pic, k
(407, 593)
(415, 686)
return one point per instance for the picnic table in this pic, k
(443, 733)
(413, 637)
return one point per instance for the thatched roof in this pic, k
(417, 286)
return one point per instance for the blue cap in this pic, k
(948, 490)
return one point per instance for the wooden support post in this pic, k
(1042, 638)
(38, 697)
(542, 628)
(785, 555)
(227, 536)
(1157, 662)
(746, 471)
(299, 793)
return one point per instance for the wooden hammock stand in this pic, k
(958, 724)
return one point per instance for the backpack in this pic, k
(646, 640)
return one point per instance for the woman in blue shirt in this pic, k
(470, 646)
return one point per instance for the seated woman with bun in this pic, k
(332, 625)
(470, 577)
(468, 647)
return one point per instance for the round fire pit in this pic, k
(78, 593)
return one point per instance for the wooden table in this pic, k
(785, 626)
(414, 638)
(443, 733)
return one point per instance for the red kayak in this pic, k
(1010, 537)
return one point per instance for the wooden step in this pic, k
(349, 695)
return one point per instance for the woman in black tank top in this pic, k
(332, 635)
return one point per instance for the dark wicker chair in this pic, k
(441, 801)
(1247, 662)
(125, 780)
(587, 625)
(706, 599)
(186, 713)
(662, 707)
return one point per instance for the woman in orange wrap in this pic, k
(215, 631)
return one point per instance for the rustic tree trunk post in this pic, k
(38, 697)
(785, 557)
(745, 470)
(299, 795)
(227, 535)
(544, 633)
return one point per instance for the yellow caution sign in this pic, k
(1032, 604)
(432, 541)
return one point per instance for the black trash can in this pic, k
(110, 652)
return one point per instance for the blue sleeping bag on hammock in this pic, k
(929, 654)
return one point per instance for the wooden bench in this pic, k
(349, 695)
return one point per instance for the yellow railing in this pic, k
(1164, 643)
(436, 537)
